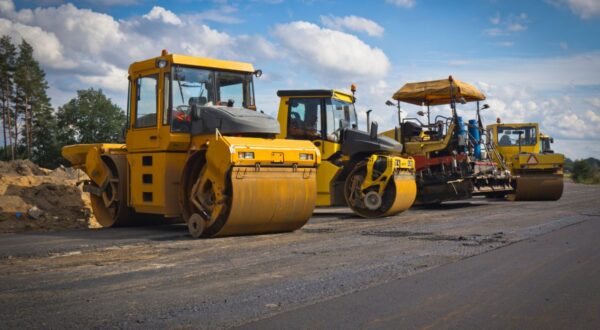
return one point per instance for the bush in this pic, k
(585, 172)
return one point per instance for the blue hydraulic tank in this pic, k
(475, 138)
(461, 132)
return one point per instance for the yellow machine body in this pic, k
(237, 183)
(537, 171)
(337, 165)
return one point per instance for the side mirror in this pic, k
(485, 106)
(373, 131)
(389, 103)
(551, 140)
(258, 73)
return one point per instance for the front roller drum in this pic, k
(538, 187)
(260, 201)
(398, 195)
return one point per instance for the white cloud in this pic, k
(593, 117)
(495, 19)
(164, 15)
(402, 3)
(516, 27)
(50, 55)
(329, 53)
(584, 8)
(507, 26)
(81, 48)
(504, 43)
(223, 14)
(353, 23)
(594, 101)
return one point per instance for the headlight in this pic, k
(246, 155)
(161, 63)
(306, 156)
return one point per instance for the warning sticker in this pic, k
(532, 160)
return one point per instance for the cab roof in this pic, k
(438, 92)
(334, 93)
(193, 61)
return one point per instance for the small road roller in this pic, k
(196, 150)
(359, 169)
(536, 171)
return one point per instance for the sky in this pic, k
(536, 61)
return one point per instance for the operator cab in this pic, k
(545, 145)
(328, 118)
(319, 114)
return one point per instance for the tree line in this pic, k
(31, 129)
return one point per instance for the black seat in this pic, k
(410, 129)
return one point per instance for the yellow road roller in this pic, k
(536, 171)
(359, 169)
(197, 150)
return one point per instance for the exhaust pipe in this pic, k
(369, 121)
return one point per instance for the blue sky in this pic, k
(535, 60)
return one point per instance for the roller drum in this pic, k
(538, 187)
(269, 200)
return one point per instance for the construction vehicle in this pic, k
(536, 171)
(444, 169)
(359, 169)
(197, 150)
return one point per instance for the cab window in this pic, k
(340, 115)
(509, 136)
(145, 107)
(304, 121)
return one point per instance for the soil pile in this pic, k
(35, 198)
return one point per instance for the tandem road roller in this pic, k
(536, 171)
(196, 149)
(359, 169)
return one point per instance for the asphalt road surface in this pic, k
(480, 263)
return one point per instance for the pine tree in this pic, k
(8, 54)
(33, 109)
(91, 117)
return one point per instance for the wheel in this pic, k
(196, 225)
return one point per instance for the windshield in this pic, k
(509, 136)
(194, 87)
(340, 115)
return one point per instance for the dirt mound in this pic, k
(21, 168)
(35, 198)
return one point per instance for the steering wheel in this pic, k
(183, 108)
